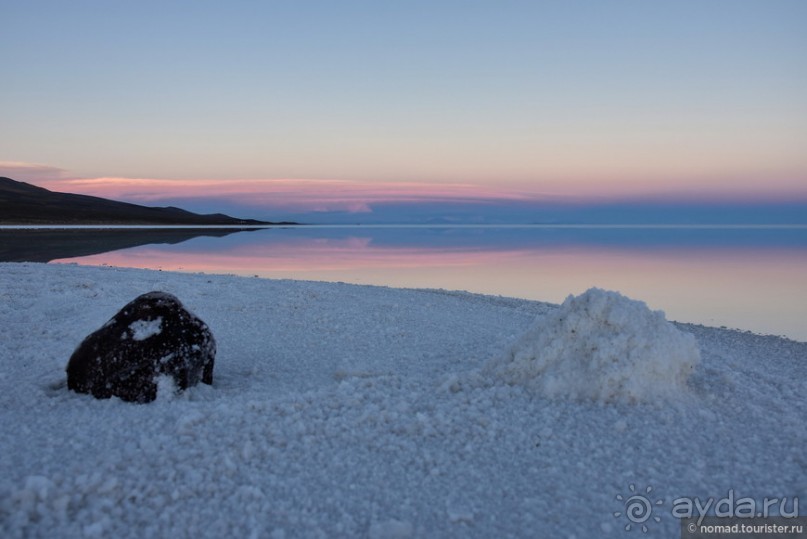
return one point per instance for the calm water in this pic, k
(748, 278)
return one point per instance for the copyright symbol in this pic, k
(692, 527)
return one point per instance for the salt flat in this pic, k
(354, 411)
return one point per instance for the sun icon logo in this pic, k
(638, 508)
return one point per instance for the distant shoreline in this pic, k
(143, 226)
(740, 226)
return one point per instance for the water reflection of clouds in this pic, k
(742, 282)
(302, 255)
(519, 237)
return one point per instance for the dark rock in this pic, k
(151, 336)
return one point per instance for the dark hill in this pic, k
(25, 204)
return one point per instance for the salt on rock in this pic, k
(601, 346)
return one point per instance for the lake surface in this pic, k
(752, 278)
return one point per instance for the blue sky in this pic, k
(560, 101)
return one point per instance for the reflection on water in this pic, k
(46, 244)
(748, 278)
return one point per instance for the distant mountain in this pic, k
(25, 204)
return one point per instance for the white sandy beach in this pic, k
(354, 411)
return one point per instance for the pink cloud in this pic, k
(296, 194)
(324, 195)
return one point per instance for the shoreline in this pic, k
(146, 227)
(571, 226)
(684, 324)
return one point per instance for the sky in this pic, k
(373, 111)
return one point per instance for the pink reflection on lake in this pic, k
(763, 290)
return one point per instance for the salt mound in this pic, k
(602, 346)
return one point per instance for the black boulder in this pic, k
(153, 335)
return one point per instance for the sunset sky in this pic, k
(421, 109)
